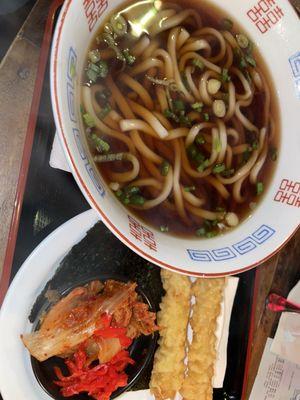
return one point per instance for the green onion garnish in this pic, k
(228, 172)
(220, 209)
(218, 168)
(201, 232)
(227, 24)
(259, 188)
(164, 228)
(254, 145)
(137, 200)
(132, 190)
(273, 154)
(88, 120)
(118, 24)
(206, 117)
(164, 168)
(242, 40)
(203, 166)
(197, 106)
(101, 145)
(189, 189)
(225, 76)
(178, 105)
(171, 115)
(211, 234)
(243, 63)
(250, 60)
(198, 63)
(185, 121)
(200, 140)
(130, 59)
(94, 56)
(105, 111)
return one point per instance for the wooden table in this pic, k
(18, 72)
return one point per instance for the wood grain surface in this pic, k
(17, 76)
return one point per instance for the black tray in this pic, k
(52, 197)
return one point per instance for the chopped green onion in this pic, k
(130, 59)
(103, 69)
(197, 106)
(220, 209)
(137, 200)
(119, 24)
(105, 111)
(227, 24)
(178, 105)
(94, 56)
(200, 140)
(246, 155)
(201, 232)
(92, 72)
(250, 60)
(88, 120)
(185, 121)
(125, 200)
(110, 157)
(164, 228)
(198, 63)
(218, 168)
(119, 193)
(211, 234)
(203, 166)
(189, 189)
(217, 145)
(242, 40)
(132, 190)
(165, 168)
(195, 155)
(259, 188)
(228, 172)
(110, 41)
(243, 63)
(225, 75)
(206, 117)
(101, 145)
(170, 115)
(273, 154)
(254, 145)
(104, 95)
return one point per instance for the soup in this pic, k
(179, 115)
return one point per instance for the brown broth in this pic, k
(161, 216)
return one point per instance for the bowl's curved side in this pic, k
(275, 220)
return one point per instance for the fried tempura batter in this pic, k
(202, 351)
(169, 369)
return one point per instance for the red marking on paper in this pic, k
(288, 193)
(265, 14)
(142, 234)
(93, 10)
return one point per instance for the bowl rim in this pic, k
(87, 193)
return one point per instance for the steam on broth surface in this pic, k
(180, 116)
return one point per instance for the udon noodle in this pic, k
(179, 114)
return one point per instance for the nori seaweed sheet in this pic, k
(100, 255)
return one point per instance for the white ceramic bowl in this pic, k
(274, 27)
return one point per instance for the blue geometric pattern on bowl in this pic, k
(71, 73)
(295, 65)
(260, 236)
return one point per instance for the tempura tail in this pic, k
(169, 369)
(202, 351)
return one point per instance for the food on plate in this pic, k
(175, 370)
(169, 369)
(92, 328)
(180, 116)
(202, 350)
